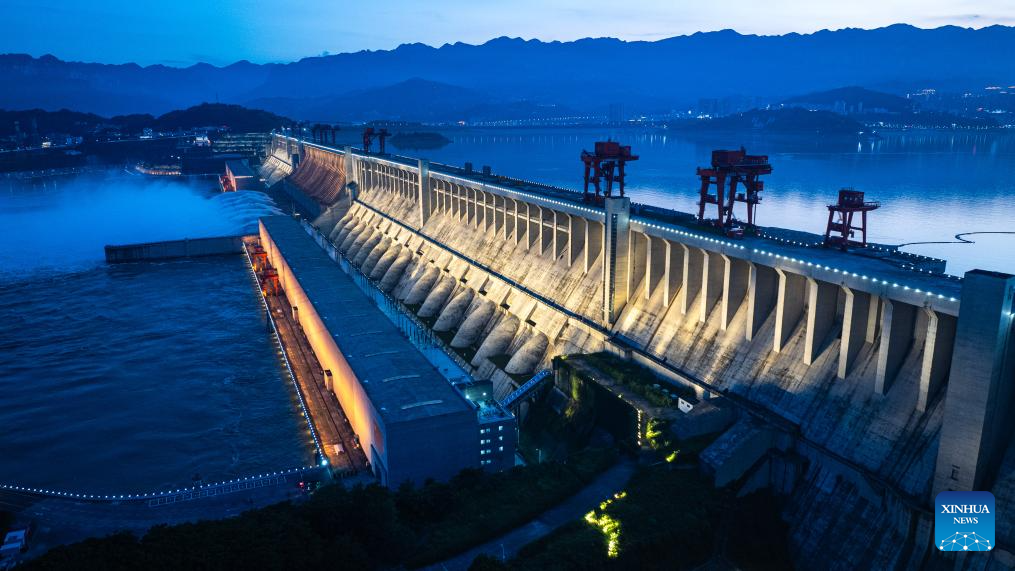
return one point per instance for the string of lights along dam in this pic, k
(863, 372)
(932, 185)
(136, 380)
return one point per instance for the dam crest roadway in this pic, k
(852, 371)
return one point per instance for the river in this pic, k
(137, 377)
(932, 185)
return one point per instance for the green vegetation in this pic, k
(238, 119)
(418, 140)
(669, 516)
(475, 507)
(547, 434)
(362, 527)
(689, 449)
(666, 519)
(657, 433)
(636, 378)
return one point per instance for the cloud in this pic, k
(985, 19)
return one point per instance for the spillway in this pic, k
(863, 362)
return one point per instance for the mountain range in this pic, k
(454, 81)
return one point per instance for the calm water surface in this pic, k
(931, 185)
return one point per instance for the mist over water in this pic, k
(130, 378)
(67, 229)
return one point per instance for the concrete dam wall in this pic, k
(172, 249)
(867, 365)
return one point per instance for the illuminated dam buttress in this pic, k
(878, 384)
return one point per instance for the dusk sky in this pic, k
(223, 31)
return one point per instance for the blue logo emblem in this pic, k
(964, 521)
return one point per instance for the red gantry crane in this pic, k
(729, 169)
(607, 162)
(840, 228)
(368, 136)
(259, 258)
(270, 284)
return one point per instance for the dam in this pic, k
(884, 380)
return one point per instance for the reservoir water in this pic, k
(932, 185)
(135, 377)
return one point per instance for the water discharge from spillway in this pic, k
(127, 378)
(65, 230)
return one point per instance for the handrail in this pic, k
(523, 391)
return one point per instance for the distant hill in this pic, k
(235, 118)
(853, 100)
(411, 100)
(877, 108)
(790, 120)
(62, 121)
(583, 75)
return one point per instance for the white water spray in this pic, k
(66, 230)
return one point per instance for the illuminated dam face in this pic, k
(900, 374)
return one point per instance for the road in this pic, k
(337, 439)
(574, 508)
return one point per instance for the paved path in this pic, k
(60, 521)
(574, 508)
(338, 441)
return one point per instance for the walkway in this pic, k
(59, 521)
(337, 439)
(574, 508)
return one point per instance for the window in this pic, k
(501, 438)
(501, 448)
(501, 428)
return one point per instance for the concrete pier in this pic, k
(762, 296)
(867, 359)
(897, 322)
(821, 304)
(855, 317)
(789, 306)
(694, 263)
(174, 249)
(736, 281)
(978, 407)
(616, 267)
(712, 278)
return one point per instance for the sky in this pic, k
(183, 32)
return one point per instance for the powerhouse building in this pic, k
(412, 423)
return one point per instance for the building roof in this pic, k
(400, 382)
(239, 168)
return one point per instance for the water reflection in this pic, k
(931, 185)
